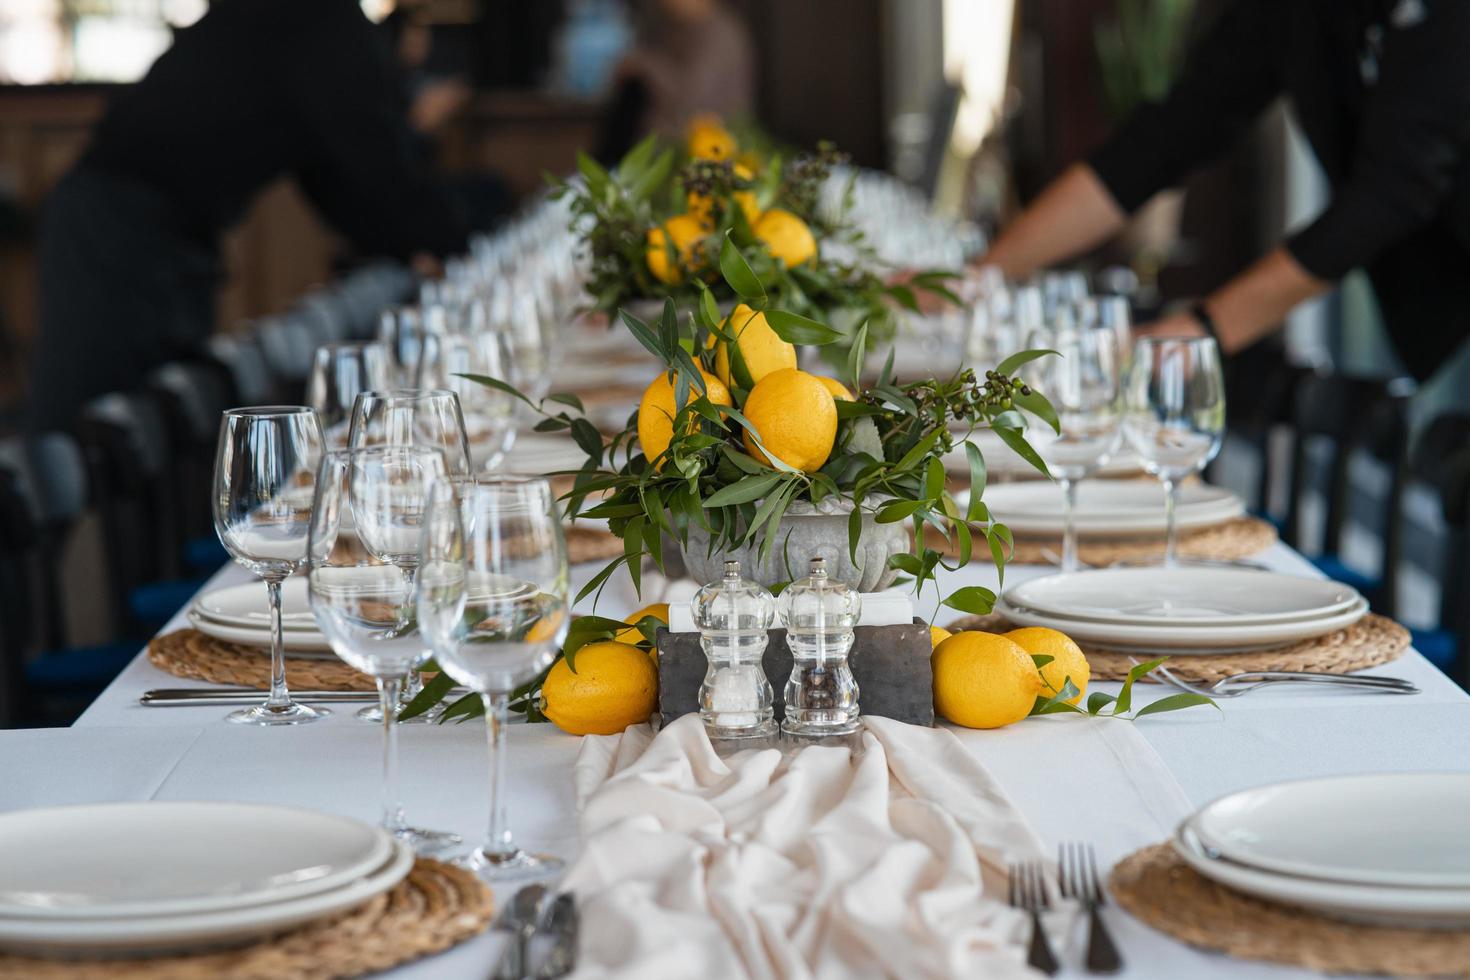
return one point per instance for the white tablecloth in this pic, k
(1118, 785)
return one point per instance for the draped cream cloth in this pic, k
(824, 862)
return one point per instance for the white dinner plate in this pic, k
(185, 932)
(1441, 908)
(1108, 507)
(1395, 829)
(1184, 596)
(1183, 640)
(130, 860)
(297, 641)
(248, 605)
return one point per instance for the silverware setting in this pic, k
(1078, 877)
(1028, 892)
(534, 914)
(164, 697)
(1237, 684)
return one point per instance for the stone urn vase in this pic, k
(807, 531)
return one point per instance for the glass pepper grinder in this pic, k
(819, 615)
(732, 616)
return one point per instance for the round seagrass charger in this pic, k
(200, 657)
(1156, 886)
(1240, 537)
(1371, 641)
(437, 906)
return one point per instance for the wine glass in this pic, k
(1082, 382)
(413, 344)
(490, 413)
(428, 417)
(361, 593)
(493, 602)
(264, 476)
(1174, 414)
(338, 373)
(1110, 312)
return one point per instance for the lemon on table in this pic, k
(983, 680)
(761, 349)
(796, 418)
(615, 685)
(708, 139)
(658, 610)
(837, 388)
(682, 233)
(1067, 659)
(786, 237)
(657, 408)
(702, 206)
(937, 635)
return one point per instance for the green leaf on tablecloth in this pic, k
(1098, 700)
(1173, 703)
(429, 695)
(1125, 696)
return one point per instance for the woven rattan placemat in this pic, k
(435, 907)
(1156, 886)
(198, 656)
(1241, 537)
(1371, 641)
(592, 544)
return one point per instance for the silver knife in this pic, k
(173, 696)
(562, 924)
(522, 917)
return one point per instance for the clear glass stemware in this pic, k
(264, 478)
(367, 517)
(427, 417)
(493, 601)
(1174, 415)
(338, 373)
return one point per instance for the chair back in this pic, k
(245, 364)
(47, 477)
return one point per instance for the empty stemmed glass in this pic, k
(338, 373)
(1174, 414)
(490, 413)
(264, 476)
(366, 525)
(493, 602)
(1082, 383)
(426, 417)
(412, 342)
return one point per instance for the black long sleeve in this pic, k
(1229, 78)
(1410, 147)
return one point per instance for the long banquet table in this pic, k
(1118, 785)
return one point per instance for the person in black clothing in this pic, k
(255, 90)
(1381, 89)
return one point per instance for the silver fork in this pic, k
(1077, 874)
(1237, 684)
(1027, 888)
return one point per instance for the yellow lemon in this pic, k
(657, 408)
(658, 610)
(1067, 659)
(796, 417)
(983, 680)
(761, 350)
(937, 635)
(709, 139)
(682, 233)
(837, 388)
(786, 237)
(702, 206)
(615, 685)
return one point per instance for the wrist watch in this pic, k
(1201, 314)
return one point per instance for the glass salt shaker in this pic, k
(732, 616)
(819, 615)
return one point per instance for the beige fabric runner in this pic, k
(826, 862)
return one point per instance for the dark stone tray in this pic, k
(890, 664)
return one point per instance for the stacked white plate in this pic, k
(134, 878)
(241, 614)
(1386, 848)
(1184, 610)
(1108, 507)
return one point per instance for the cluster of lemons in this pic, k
(675, 247)
(794, 412)
(981, 680)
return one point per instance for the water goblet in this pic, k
(493, 602)
(1174, 415)
(264, 476)
(338, 373)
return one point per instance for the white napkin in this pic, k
(822, 863)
